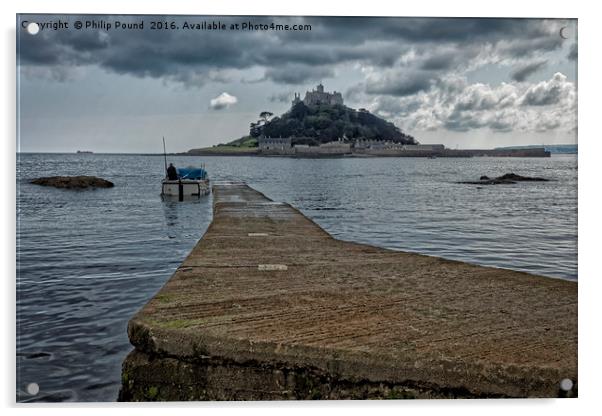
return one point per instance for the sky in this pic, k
(462, 82)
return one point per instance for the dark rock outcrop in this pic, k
(519, 178)
(507, 179)
(73, 182)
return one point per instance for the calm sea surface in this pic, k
(88, 260)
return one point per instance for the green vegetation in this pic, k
(152, 392)
(243, 142)
(395, 394)
(241, 146)
(323, 123)
(227, 148)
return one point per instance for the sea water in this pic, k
(88, 260)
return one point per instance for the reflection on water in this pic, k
(88, 260)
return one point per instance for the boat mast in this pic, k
(165, 155)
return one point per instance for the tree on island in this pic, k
(264, 118)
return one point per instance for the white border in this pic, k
(589, 188)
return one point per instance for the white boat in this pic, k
(191, 182)
(185, 187)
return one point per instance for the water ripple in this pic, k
(87, 261)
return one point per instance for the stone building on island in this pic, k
(279, 145)
(318, 96)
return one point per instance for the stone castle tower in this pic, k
(318, 96)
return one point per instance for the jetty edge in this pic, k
(269, 306)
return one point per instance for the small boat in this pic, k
(191, 182)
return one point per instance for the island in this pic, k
(321, 125)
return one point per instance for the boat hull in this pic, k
(185, 188)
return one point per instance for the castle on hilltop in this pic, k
(318, 96)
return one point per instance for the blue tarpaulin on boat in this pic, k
(192, 173)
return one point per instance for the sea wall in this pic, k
(340, 151)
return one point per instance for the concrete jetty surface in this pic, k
(270, 306)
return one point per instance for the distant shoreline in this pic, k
(561, 149)
(370, 153)
(350, 156)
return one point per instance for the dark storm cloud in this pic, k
(572, 56)
(421, 71)
(525, 47)
(462, 122)
(378, 52)
(401, 83)
(142, 52)
(298, 74)
(185, 56)
(283, 97)
(522, 73)
(439, 61)
(427, 30)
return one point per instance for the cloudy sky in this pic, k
(461, 82)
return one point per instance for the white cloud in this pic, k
(454, 104)
(224, 100)
(549, 92)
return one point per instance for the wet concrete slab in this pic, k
(268, 295)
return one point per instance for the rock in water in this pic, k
(518, 178)
(73, 182)
(507, 179)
